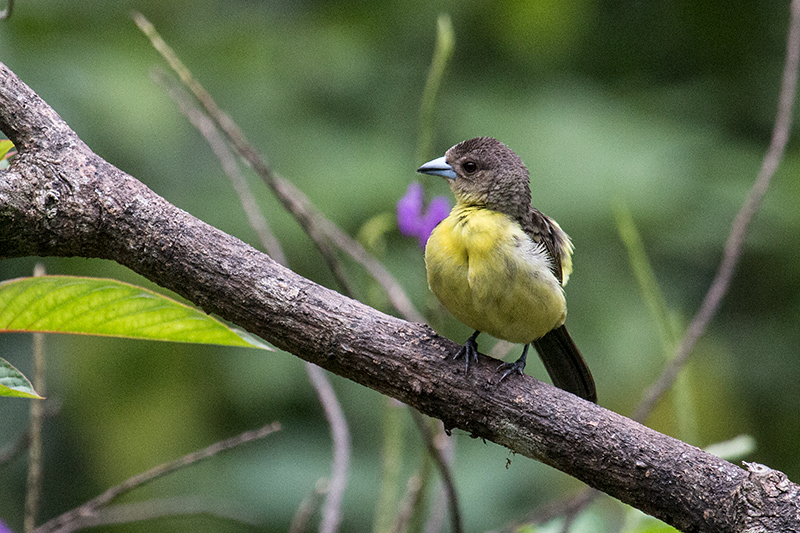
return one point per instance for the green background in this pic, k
(667, 106)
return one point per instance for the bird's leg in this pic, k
(469, 350)
(516, 367)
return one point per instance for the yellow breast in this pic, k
(492, 277)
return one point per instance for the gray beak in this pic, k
(438, 167)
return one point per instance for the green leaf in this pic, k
(95, 306)
(5, 153)
(5, 147)
(13, 383)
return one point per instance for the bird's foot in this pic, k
(516, 367)
(469, 351)
(510, 368)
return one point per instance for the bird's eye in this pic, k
(470, 167)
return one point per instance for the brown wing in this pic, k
(542, 228)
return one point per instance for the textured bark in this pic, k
(61, 199)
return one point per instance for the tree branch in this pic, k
(58, 198)
(317, 227)
(333, 412)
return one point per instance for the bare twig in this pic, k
(437, 514)
(327, 397)
(308, 216)
(160, 507)
(440, 447)
(230, 166)
(33, 489)
(89, 508)
(444, 471)
(441, 500)
(733, 247)
(340, 435)
(575, 505)
(109, 214)
(237, 138)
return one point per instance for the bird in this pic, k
(499, 265)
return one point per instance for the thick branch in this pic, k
(61, 199)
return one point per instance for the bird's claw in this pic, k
(469, 351)
(516, 367)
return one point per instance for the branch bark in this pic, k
(60, 199)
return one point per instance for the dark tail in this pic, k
(565, 364)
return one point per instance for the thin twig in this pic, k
(297, 203)
(571, 505)
(33, 488)
(237, 138)
(732, 252)
(325, 393)
(733, 247)
(340, 434)
(444, 471)
(89, 508)
(308, 216)
(440, 447)
(161, 507)
(230, 166)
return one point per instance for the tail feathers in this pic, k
(565, 364)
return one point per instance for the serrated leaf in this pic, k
(96, 306)
(13, 384)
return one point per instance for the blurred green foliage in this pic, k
(666, 105)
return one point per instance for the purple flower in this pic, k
(4, 528)
(412, 221)
(409, 210)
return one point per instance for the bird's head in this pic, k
(483, 171)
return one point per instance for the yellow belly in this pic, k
(492, 277)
